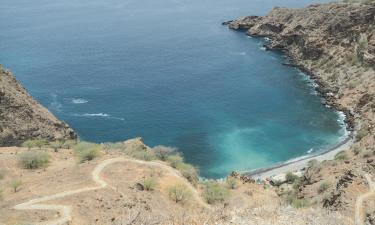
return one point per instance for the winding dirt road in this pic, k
(359, 215)
(65, 211)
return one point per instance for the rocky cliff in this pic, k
(335, 44)
(22, 118)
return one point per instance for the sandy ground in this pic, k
(298, 165)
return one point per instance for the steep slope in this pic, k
(22, 118)
(335, 44)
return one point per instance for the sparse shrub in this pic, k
(1, 194)
(68, 144)
(29, 144)
(356, 150)
(291, 177)
(15, 185)
(215, 192)
(33, 160)
(2, 174)
(294, 201)
(56, 145)
(312, 163)
(363, 132)
(149, 184)
(324, 186)
(145, 155)
(232, 182)
(179, 193)
(189, 172)
(367, 154)
(113, 146)
(341, 156)
(87, 151)
(175, 160)
(162, 152)
(40, 143)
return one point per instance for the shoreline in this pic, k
(298, 164)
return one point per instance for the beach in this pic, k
(300, 163)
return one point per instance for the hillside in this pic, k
(334, 44)
(22, 118)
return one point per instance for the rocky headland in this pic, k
(22, 118)
(334, 44)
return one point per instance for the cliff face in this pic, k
(335, 44)
(22, 118)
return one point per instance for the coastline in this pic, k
(299, 164)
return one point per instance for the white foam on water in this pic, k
(79, 101)
(100, 115)
(55, 105)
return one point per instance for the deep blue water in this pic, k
(167, 71)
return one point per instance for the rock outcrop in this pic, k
(334, 44)
(22, 118)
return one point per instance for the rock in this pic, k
(24, 118)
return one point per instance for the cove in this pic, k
(167, 71)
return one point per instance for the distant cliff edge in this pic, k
(22, 118)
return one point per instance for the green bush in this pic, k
(291, 177)
(232, 182)
(33, 160)
(175, 160)
(87, 151)
(149, 184)
(292, 199)
(341, 156)
(188, 171)
(15, 185)
(162, 152)
(179, 193)
(215, 192)
(143, 154)
(68, 144)
(362, 133)
(29, 144)
(56, 145)
(324, 186)
(40, 143)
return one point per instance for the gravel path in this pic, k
(359, 218)
(65, 211)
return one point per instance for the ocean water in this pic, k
(168, 71)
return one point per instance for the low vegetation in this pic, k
(33, 159)
(179, 193)
(149, 184)
(341, 156)
(2, 174)
(189, 172)
(35, 143)
(175, 160)
(16, 185)
(232, 183)
(293, 200)
(215, 192)
(290, 178)
(163, 152)
(324, 187)
(87, 151)
(144, 154)
(56, 145)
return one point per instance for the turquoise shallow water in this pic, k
(169, 72)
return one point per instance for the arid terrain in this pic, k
(128, 183)
(108, 190)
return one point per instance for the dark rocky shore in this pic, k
(334, 44)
